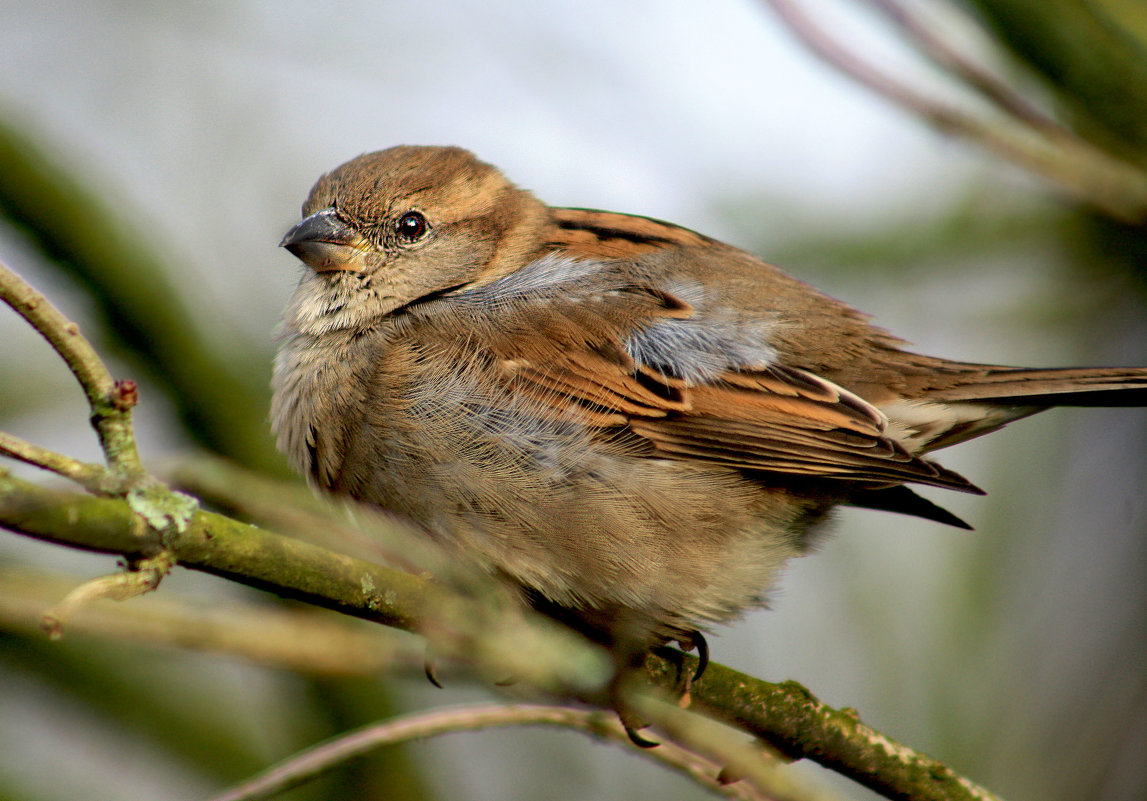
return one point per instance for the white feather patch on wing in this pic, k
(701, 346)
(921, 426)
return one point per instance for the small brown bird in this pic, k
(635, 423)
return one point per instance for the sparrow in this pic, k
(635, 424)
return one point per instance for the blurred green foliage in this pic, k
(1092, 55)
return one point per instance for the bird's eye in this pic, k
(412, 226)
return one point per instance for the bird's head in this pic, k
(391, 227)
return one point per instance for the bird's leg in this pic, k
(629, 661)
(626, 637)
(635, 658)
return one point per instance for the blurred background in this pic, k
(154, 153)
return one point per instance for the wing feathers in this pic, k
(743, 410)
(780, 420)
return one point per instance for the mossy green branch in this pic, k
(794, 721)
(785, 715)
(216, 544)
(481, 628)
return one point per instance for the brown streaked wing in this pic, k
(607, 234)
(782, 420)
(789, 421)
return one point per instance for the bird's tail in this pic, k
(968, 400)
(1034, 386)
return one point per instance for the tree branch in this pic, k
(499, 639)
(110, 401)
(1109, 183)
(597, 724)
(944, 55)
(223, 547)
(493, 633)
(795, 722)
(92, 477)
(292, 508)
(306, 640)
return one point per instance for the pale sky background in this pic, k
(207, 123)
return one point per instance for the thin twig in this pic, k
(741, 758)
(1116, 187)
(93, 477)
(110, 401)
(141, 577)
(306, 640)
(314, 761)
(944, 55)
(63, 335)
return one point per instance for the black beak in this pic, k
(325, 243)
